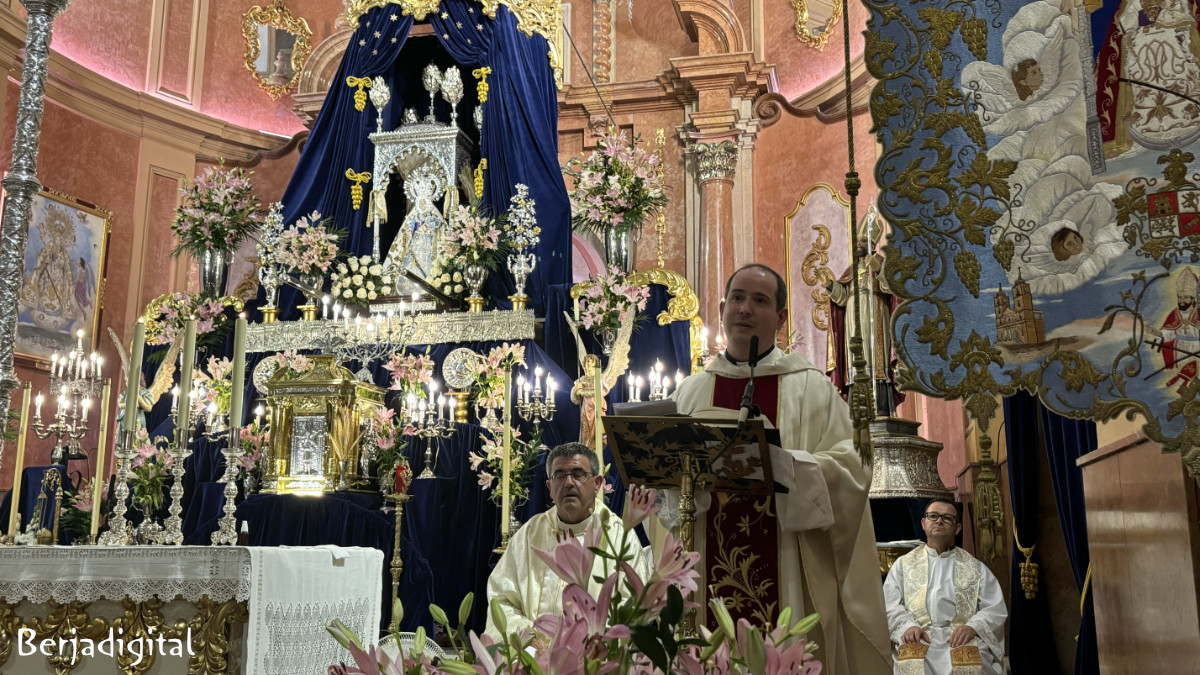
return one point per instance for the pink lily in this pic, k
(572, 560)
(641, 506)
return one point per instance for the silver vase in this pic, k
(214, 271)
(521, 265)
(475, 275)
(620, 249)
(312, 281)
(343, 475)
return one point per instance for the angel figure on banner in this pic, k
(164, 379)
(582, 392)
(1034, 100)
(415, 246)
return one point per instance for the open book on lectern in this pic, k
(647, 451)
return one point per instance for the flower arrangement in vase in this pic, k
(360, 280)
(522, 462)
(470, 248)
(606, 304)
(410, 373)
(219, 211)
(253, 438)
(628, 628)
(148, 472)
(617, 187)
(390, 441)
(76, 513)
(307, 249)
(216, 384)
(166, 315)
(523, 236)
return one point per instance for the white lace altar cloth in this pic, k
(292, 592)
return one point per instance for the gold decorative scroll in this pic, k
(811, 32)
(683, 305)
(543, 17)
(278, 16)
(816, 273)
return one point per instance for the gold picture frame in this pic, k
(62, 290)
(275, 16)
(815, 20)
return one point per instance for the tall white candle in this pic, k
(185, 382)
(133, 383)
(239, 378)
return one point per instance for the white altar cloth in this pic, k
(292, 593)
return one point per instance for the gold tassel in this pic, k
(360, 96)
(479, 178)
(482, 87)
(1029, 569)
(356, 190)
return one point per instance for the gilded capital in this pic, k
(716, 160)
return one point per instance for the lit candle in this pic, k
(99, 363)
(402, 310)
(450, 404)
(411, 406)
(238, 381)
(525, 393)
(79, 339)
(53, 363)
(441, 405)
(629, 385)
(174, 399)
(37, 415)
(537, 380)
(666, 386)
(520, 385)
(550, 392)
(87, 403)
(637, 388)
(258, 413)
(132, 385)
(324, 306)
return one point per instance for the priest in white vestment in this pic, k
(823, 557)
(942, 601)
(525, 586)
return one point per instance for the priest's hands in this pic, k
(961, 636)
(914, 635)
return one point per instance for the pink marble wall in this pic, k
(177, 49)
(164, 198)
(111, 38)
(799, 67)
(645, 47)
(97, 164)
(231, 92)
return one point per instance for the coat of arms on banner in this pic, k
(1044, 194)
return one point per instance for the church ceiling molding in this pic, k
(1029, 255)
(714, 19)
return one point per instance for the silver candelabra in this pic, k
(75, 379)
(531, 402)
(430, 420)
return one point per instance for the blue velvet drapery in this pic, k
(1029, 624)
(1066, 441)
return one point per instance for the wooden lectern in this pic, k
(689, 454)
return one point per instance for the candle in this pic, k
(629, 386)
(391, 313)
(22, 425)
(258, 413)
(324, 306)
(525, 393)
(183, 424)
(537, 380)
(346, 319)
(53, 363)
(38, 401)
(101, 453)
(87, 403)
(239, 380)
(637, 388)
(666, 385)
(441, 405)
(576, 308)
(99, 362)
(132, 385)
(550, 391)
(79, 339)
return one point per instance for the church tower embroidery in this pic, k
(1018, 322)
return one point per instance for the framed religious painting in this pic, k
(62, 289)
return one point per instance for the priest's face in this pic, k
(749, 309)
(573, 487)
(941, 524)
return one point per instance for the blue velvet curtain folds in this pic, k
(1028, 428)
(1066, 441)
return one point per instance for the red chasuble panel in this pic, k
(742, 548)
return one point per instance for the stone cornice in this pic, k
(133, 112)
(826, 101)
(624, 98)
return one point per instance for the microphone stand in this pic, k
(748, 409)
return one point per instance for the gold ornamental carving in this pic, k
(275, 15)
(816, 273)
(814, 32)
(543, 17)
(360, 96)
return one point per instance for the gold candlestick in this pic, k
(23, 427)
(101, 453)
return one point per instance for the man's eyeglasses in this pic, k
(941, 518)
(577, 476)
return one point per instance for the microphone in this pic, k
(748, 395)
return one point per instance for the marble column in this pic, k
(21, 184)
(716, 164)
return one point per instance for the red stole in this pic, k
(741, 564)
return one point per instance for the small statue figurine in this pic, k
(410, 116)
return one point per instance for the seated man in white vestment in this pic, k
(822, 557)
(945, 604)
(525, 586)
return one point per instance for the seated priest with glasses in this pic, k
(525, 586)
(945, 609)
(821, 556)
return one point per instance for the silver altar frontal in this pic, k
(303, 409)
(425, 329)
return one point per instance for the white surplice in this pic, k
(526, 586)
(944, 572)
(827, 551)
